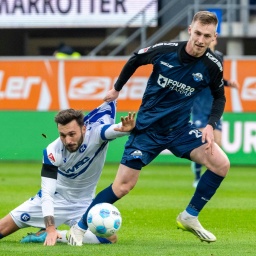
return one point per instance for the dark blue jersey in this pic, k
(173, 85)
(202, 104)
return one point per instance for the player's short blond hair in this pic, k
(206, 18)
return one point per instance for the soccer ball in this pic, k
(104, 220)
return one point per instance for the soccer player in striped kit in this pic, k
(72, 165)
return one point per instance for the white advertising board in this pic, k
(75, 13)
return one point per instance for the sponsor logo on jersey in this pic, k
(25, 217)
(137, 154)
(51, 157)
(82, 148)
(197, 133)
(143, 50)
(175, 85)
(166, 64)
(198, 77)
(77, 166)
(215, 60)
(160, 44)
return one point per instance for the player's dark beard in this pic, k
(71, 148)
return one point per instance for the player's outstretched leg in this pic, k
(76, 233)
(38, 237)
(188, 219)
(75, 236)
(89, 238)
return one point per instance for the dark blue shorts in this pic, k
(143, 147)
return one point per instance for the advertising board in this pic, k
(33, 90)
(50, 84)
(75, 13)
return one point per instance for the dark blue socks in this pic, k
(103, 240)
(105, 196)
(206, 188)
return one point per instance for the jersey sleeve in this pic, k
(49, 172)
(218, 93)
(129, 68)
(48, 187)
(108, 132)
(142, 57)
(220, 56)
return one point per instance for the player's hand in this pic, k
(233, 84)
(111, 95)
(52, 236)
(128, 123)
(208, 136)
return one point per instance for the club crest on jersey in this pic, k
(82, 148)
(197, 77)
(143, 50)
(25, 217)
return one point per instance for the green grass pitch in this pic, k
(148, 213)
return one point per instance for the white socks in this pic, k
(89, 237)
(186, 215)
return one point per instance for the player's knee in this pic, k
(223, 168)
(124, 189)
(227, 165)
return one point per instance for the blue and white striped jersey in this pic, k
(79, 172)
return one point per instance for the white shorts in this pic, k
(65, 212)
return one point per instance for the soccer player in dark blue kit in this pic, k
(201, 112)
(180, 71)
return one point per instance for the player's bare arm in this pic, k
(111, 95)
(48, 185)
(52, 234)
(49, 221)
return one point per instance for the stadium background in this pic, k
(34, 85)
